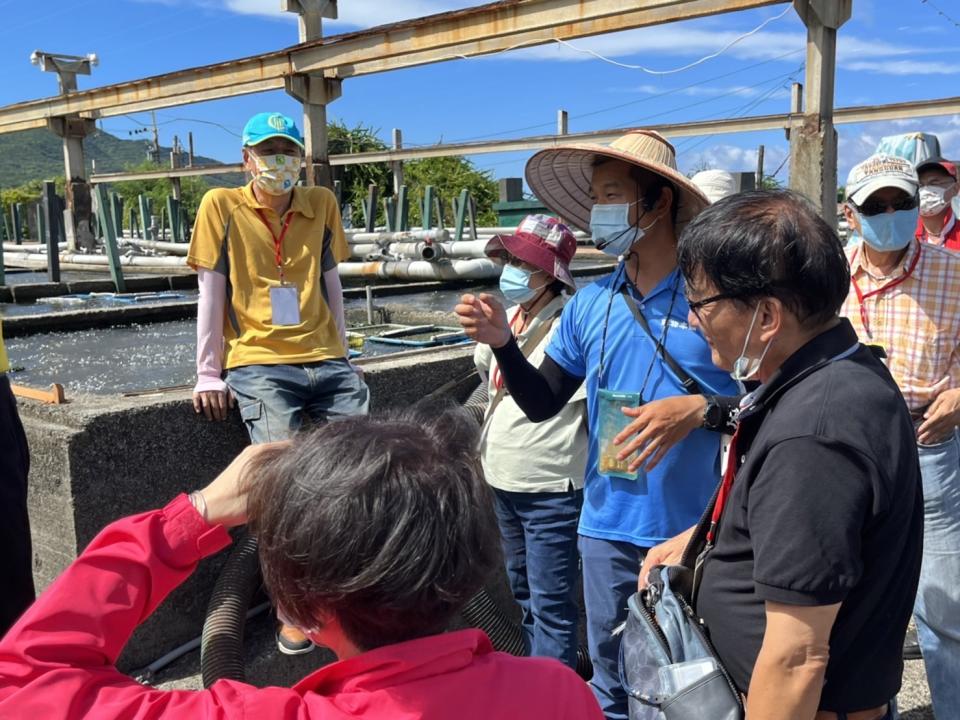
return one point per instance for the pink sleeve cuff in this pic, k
(188, 535)
(210, 384)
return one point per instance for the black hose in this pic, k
(482, 612)
(476, 403)
(221, 645)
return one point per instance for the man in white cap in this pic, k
(715, 184)
(905, 297)
(627, 336)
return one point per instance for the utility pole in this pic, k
(313, 89)
(813, 137)
(73, 129)
(759, 181)
(156, 138)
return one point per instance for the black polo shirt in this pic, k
(826, 508)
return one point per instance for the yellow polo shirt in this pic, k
(229, 237)
(4, 362)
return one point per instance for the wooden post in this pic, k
(460, 205)
(403, 209)
(110, 238)
(50, 204)
(426, 208)
(397, 165)
(813, 140)
(370, 208)
(759, 181)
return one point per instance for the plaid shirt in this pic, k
(916, 321)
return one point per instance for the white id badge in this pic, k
(285, 305)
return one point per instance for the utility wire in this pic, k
(718, 53)
(940, 12)
(639, 101)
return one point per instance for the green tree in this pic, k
(191, 191)
(356, 179)
(450, 175)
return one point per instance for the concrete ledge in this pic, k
(85, 319)
(99, 458)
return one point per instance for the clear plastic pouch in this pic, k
(611, 422)
(676, 677)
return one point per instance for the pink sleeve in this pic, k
(57, 662)
(210, 317)
(331, 280)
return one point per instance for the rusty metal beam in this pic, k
(842, 116)
(471, 32)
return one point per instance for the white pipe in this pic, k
(29, 247)
(171, 248)
(434, 234)
(474, 269)
(33, 259)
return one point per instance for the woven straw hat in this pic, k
(560, 176)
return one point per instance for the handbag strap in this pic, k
(689, 384)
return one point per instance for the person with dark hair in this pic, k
(17, 556)
(536, 469)
(904, 296)
(373, 533)
(809, 553)
(626, 338)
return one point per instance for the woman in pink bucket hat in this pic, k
(537, 503)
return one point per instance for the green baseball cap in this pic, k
(264, 126)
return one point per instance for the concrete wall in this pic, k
(102, 457)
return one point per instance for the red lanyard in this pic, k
(861, 296)
(277, 239)
(497, 377)
(726, 486)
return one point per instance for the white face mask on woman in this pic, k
(933, 200)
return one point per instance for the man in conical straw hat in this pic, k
(647, 371)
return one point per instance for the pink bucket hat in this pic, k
(542, 241)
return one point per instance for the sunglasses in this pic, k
(877, 207)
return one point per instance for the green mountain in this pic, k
(38, 155)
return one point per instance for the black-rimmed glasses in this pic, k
(696, 305)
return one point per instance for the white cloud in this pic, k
(732, 158)
(903, 67)
(353, 13)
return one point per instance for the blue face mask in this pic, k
(515, 285)
(611, 230)
(888, 232)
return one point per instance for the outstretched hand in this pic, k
(658, 426)
(484, 319)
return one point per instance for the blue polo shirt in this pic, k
(673, 496)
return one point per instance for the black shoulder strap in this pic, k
(689, 384)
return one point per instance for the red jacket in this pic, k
(949, 236)
(57, 662)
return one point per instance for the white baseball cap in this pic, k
(881, 171)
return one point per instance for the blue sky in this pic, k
(891, 50)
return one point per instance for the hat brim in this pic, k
(949, 167)
(560, 178)
(532, 254)
(298, 143)
(871, 187)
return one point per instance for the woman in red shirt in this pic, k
(373, 533)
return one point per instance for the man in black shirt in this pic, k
(813, 553)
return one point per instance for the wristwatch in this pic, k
(714, 414)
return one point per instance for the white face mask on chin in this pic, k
(744, 367)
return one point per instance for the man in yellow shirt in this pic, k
(16, 560)
(271, 332)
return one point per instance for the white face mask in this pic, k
(933, 200)
(745, 367)
(276, 174)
